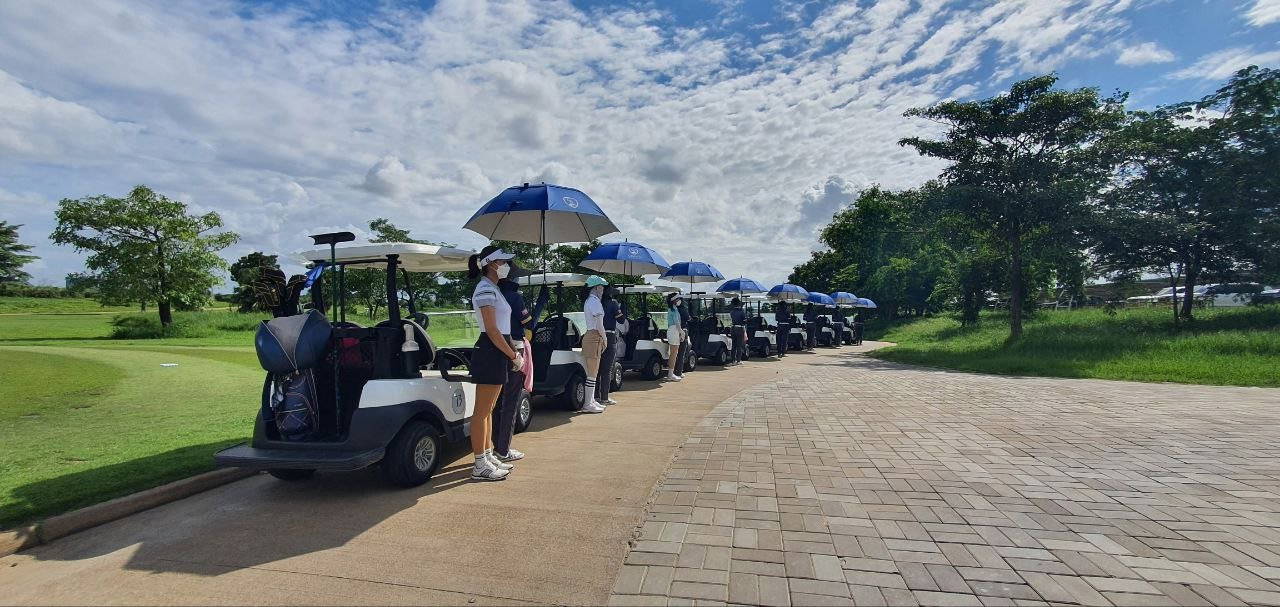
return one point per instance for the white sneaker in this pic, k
(675, 377)
(511, 456)
(486, 471)
(610, 401)
(497, 462)
(592, 407)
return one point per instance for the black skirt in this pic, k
(488, 364)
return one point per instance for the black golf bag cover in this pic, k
(292, 343)
(289, 348)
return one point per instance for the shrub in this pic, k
(185, 324)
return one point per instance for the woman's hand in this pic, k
(517, 363)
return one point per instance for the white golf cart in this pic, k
(707, 331)
(760, 333)
(647, 350)
(559, 369)
(339, 396)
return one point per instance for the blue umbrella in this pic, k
(630, 258)
(788, 292)
(541, 214)
(693, 271)
(821, 299)
(741, 286)
(844, 298)
(865, 303)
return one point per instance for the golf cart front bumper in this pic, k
(244, 456)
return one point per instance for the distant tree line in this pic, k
(1046, 188)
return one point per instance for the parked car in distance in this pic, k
(1229, 294)
(1162, 294)
(1269, 296)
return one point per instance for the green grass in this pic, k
(56, 305)
(85, 418)
(1226, 346)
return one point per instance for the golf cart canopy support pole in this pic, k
(393, 298)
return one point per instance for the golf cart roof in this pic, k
(568, 279)
(630, 289)
(413, 257)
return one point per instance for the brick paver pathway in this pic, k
(855, 481)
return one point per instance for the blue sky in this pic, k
(725, 130)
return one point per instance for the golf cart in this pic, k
(710, 336)
(339, 396)
(843, 324)
(559, 369)
(646, 351)
(760, 334)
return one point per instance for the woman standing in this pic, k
(675, 336)
(504, 415)
(493, 358)
(594, 341)
(612, 319)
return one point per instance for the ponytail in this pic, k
(473, 266)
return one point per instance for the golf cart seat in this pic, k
(552, 334)
(637, 329)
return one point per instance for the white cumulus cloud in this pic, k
(1143, 54)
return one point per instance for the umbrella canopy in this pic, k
(541, 214)
(844, 298)
(741, 286)
(691, 272)
(630, 258)
(788, 292)
(865, 303)
(821, 299)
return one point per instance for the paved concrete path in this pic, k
(554, 532)
(854, 481)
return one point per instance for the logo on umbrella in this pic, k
(571, 201)
(633, 252)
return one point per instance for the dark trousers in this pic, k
(604, 377)
(857, 334)
(504, 412)
(784, 336)
(739, 335)
(812, 330)
(682, 356)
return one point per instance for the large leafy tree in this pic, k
(1195, 192)
(145, 247)
(1022, 163)
(13, 255)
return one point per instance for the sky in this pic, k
(726, 131)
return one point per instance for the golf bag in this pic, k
(289, 349)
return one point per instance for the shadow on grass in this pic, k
(87, 487)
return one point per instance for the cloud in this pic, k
(1222, 64)
(1263, 12)
(697, 141)
(820, 202)
(1143, 54)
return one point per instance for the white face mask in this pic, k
(503, 270)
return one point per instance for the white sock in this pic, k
(591, 389)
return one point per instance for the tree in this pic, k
(1195, 191)
(247, 271)
(13, 255)
(145, 247)
(1022, 163)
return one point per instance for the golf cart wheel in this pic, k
(524, 411)
(413, 455)
(615, 378)
(291, 474)
(691, 361)
(722, 356)
(652, 368)
(575, 392)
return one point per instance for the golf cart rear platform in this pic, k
(244, 456)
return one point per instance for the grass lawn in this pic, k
(85, 418)
(56, 305)
(1225, 346)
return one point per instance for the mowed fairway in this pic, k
(84, 419)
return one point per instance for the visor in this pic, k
(498, 255)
